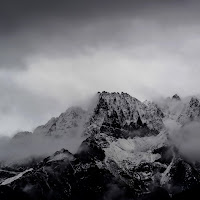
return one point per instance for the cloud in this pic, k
(21, 109)
(187, 140)
(54, 55)
(24, 149)
(35, 27)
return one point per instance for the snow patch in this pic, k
(14, 178)
(135, 151)
(165, 176)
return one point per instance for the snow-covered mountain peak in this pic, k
(191, 111)
(112, 112)
(121, 115)
(69, 122)
(116, 99)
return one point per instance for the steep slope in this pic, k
(69, 122)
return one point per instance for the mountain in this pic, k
(121, 114)
(126, 153)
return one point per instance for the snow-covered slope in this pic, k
(132, 152)
(14, 178)
(70, 122)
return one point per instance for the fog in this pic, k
(187, 140)
(24, 149)
(185, 137)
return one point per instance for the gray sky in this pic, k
(54, 54)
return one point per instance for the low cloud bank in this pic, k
(23, 149)
(187, 140)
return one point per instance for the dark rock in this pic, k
(176, 97)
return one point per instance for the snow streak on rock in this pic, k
(14, 178)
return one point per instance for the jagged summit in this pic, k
(191, 111)
(120, 113)
(176, 97)
(194, 102)
(105, 93)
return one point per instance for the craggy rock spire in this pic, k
(119, 113)
(176, 97)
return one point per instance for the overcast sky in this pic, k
(54, 54)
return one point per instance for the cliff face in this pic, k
(122, 115)
(126, 154)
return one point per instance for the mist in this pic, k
(23, 149)
(187, 139)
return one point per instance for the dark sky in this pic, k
(54, 54)
(28, 27)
